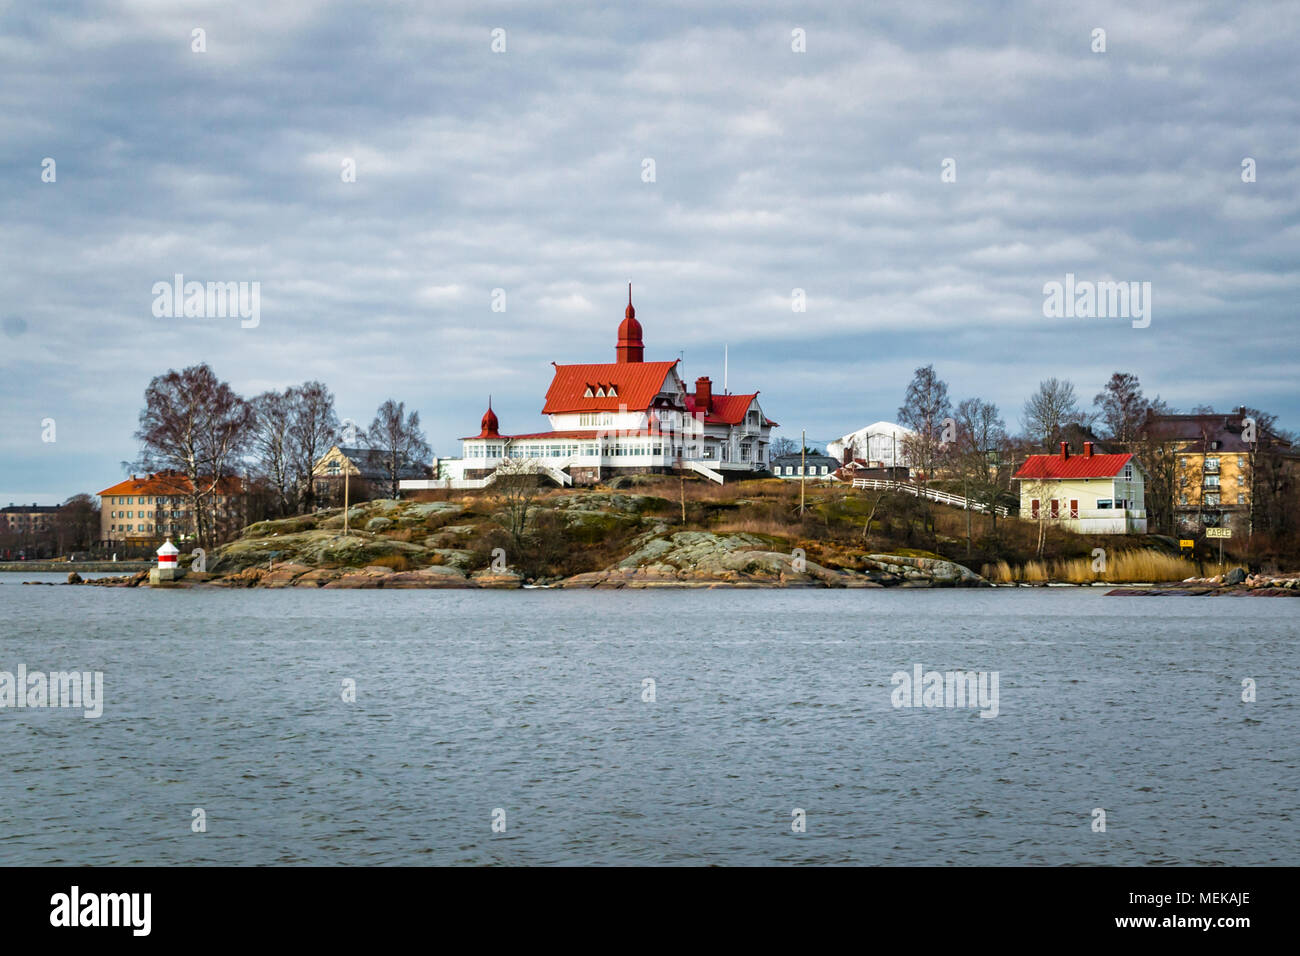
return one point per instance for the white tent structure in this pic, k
(879, 441)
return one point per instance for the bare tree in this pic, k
(782, 446)
(981, 438)
(1050, 409)
(1122, 407)
(924, 409)
(78, 523)
(272, 447)
(314, 428)
(1038, 488)
(516, 484)
(1155, 447)
(196, 425)
(1272, 476)
(397, 441)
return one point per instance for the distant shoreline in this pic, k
(124, 566)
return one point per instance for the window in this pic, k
(1128, 472)
(1212, 500)
(1104, 504)
(1211, 481)
(1033, 507)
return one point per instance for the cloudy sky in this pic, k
(523, 170)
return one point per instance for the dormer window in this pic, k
(600, 391)
(613, 392)
(587, 393)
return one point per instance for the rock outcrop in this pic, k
(704, 559)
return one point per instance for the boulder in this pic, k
(282, 575)
(318, 578)
(438, 576)
(488, 578)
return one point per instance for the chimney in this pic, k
(1065, 451)
(703, 394)
(1087, 449)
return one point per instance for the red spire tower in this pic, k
(630, 348)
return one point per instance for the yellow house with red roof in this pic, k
(628, 416)
(1088, 494)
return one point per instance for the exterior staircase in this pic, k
(701, 469)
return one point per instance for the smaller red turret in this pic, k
(489, 427)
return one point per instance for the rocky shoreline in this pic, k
(733, 568)
(1236, 583)
(687, 559)
(607, 540)
(57, 566)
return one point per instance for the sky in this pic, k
(921, 171)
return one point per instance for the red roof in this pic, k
(726, 409)
(636, 384)
(590, 434)
(1076, 466)
(168, 483)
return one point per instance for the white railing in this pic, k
(920, 491)
(702, 469)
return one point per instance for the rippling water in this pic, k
(766, 701)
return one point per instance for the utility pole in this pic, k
(966, 491)
(346, 473)
(681, 477)
(803, 467)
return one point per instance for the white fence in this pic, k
(920, 491)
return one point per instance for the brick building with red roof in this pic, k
(626, 416)
(144, 510)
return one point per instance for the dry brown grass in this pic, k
(753, 525)
(1121, 566)
(398, 562)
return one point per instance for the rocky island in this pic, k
(625, 537)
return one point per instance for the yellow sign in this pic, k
(1218, 532)
(1186, 543)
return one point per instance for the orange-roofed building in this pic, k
(623, 417)
(147, 509)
